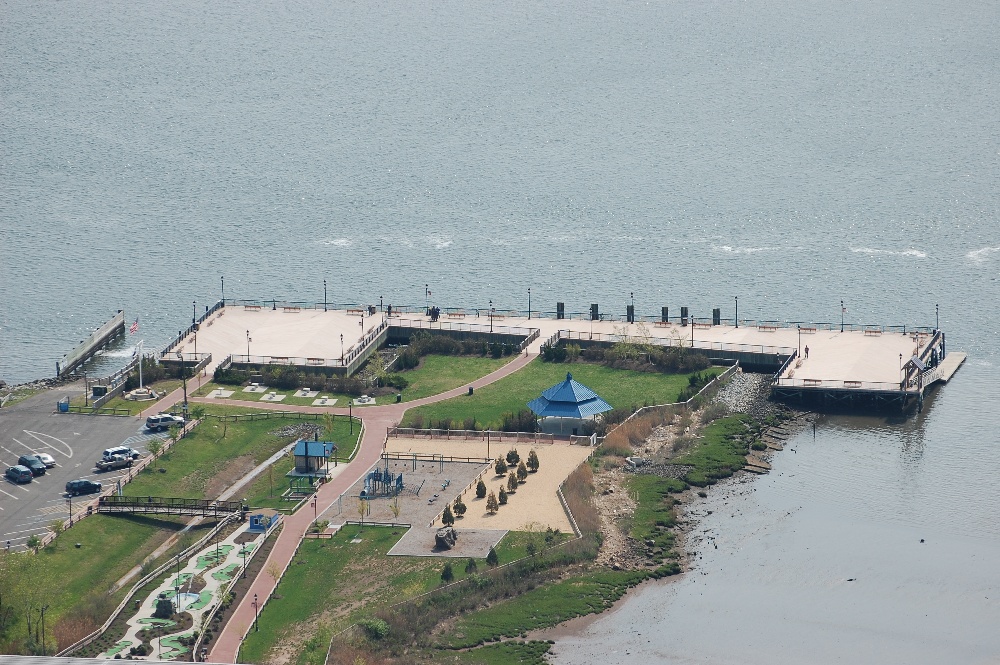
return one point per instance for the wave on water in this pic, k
(337, 242)
(440, 243)
(980, 255)
(916, 253)
(727, 249)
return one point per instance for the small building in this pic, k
(312, 458)
(262, 520)
(568, 403)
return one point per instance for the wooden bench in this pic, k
(316, 361)
(811, 382)
(661, 324)
(766, 327)
(497, 316)
(873, 332)
(809, 331)
(356, 312)
(702, 325)
(276, 360)
(852, 384)
(292, 308)
(456, 315)
(251, 308)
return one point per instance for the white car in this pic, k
(163, 421)
(46, 459)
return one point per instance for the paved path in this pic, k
(377, 420)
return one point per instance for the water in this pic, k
(793, 155)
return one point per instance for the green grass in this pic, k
(620, 388)
(165, 387)
(193, 462)
(720, 451)
(253, 399)
(542, 607)
(654, 512)
(505, 653)
(335, 574)
(438, 374)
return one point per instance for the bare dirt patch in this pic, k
(229, 475)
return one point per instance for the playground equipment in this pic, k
(382, 482)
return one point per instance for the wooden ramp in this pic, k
(949, 366)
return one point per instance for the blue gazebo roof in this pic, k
(568, 399)
(314, 448)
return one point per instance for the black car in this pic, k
(82, 486)
(36, 465)
(19, 474)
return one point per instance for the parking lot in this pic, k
(75, 442)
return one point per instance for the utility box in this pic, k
(716, 316)
(630, 313)
(594, 314)
(664, 314)
(684, 316)
(560, 310)
(98, 391)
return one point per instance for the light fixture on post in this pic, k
(248, 349)
(256, 612)
(194, 312)
(244, 553)
(529, 303)
(491, 316)
(180, 357)
(223, 278)
(341, 348)
(737, 311)
(937, 318)
(799, 328)
(324, 295)
(842, 310)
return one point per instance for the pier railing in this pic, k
(834, 384)
(766, 349)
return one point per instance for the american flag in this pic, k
(132, 329)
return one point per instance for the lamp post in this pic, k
(350, 414)
(799, 327)
(380, 303)
(737, 311)
(86, 389)
(180, 357)
(44, 607)
(315, 516)
(244, 553)
(841, 316)
(177, 585)
(427, 292)
(937, 318)
(194, 312)
(69, 502)
(223, 278)
(529, 303)
(255, 613)
(248, 347)
(692, 330)
(491, 316)
(324, 295)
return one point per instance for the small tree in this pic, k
(34, 542)
(362, 510)
(447, 574)
(459, 507)
(492, 559)
(175, 432)
(531, 548)
(164, 608)
(471, 566)
(511, 483)
(154, 446)
(502, 497)
(197, 412)
(394, 507)
(512, 457)
(522, 472)
(492, 506)
(501, 467)
(532, 461)
(448, 519)
(480, 490)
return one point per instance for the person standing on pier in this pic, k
(807, 352)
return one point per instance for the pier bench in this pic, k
(873, 332)
(661, 324)
(702, 325)
(456, 315)
(497, 316)
(292, 308)
(251, 308)
(812, 382)
(852, 384)
(316, 361)
(277, 360)
(810, 330)
(357, 311)
(767, 327)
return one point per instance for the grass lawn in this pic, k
(506, 653)
(225, 450)
(437, 374)
(164, 387)
(719, 452)
(619, 388)
(252, 399)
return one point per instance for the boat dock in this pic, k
(816, 366)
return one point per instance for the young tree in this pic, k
(459, 507)
(522, 472)
(532, 461)
(531, 548)
(447, 574)
(492, 559)
(197, 411)
(34, 542)
(501, 467)
(511, 483)
(448, 519)
(154, 446)
(328, 423)
(394, 507)
(502, 497)
(471, 566)
(492, 506)
(480, 490)
(362, 510)
(512, 457)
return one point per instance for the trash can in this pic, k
(399, 398)
(470, 391)
(63, 405)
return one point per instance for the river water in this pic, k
(682, 153)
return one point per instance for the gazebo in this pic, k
(568, 400)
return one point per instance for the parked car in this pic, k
(82, 486)
(124, 451)
(46, 459)
(163, 421)
(18, 474)
(114, 462)
(36, 465)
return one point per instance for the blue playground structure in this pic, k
(381, 482)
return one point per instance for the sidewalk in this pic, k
(377, 421)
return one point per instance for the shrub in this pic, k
(502, 497)
(448, 519)
(532, 461)
(522, 421)
(492, 559)
(512, 457)
(447, 574)
(522, 472)
(471, 566)
(375, 629)
(480, 490)
(512, 482)
(459, 507)
(492, 506)
(501, 467)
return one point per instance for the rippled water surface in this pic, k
(793, 155)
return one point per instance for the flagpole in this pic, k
(138, 349)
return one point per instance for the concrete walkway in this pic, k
(377, 420)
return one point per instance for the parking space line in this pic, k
(68, 449)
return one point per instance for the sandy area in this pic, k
(535, 502)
